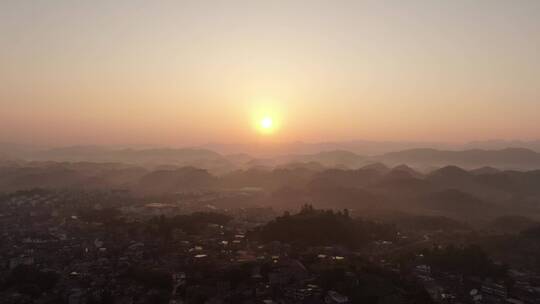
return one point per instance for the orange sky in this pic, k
(183, 73)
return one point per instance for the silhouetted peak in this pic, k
(485, 170)
(377, 167)
(449, 172)
(311, 166)
(402, 169)
(453, 195)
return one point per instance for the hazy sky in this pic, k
(191, 72)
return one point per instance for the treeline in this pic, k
(314, 227)
(468, 260)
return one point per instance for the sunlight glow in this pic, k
(266, 123)
(267, 117)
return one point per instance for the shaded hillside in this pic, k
(31, 177)
(453, 177)
(485, 170)
(311, 166)
(405, 168)
(459, 205)
(171, 181)
(267, 179)
(346, 178)
(55, 175)
(401, 184)
(323, 196)
(450, 175)
(450, 191)
(340, 197)
(429, 223)
(116, 178)
(512, 224)
(377, 167)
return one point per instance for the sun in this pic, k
(267, 123)
(267, 119)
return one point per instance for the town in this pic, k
(82, 247)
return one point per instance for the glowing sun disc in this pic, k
(267, 123)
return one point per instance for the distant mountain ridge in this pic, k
(426, 159)
(449, 191)
(363, 147)
(153, 157)
(509, 158)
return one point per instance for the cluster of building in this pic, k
(127, 261)
(446, 287)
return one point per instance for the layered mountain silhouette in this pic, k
(485, 161)
(483, 188)
(510, 158)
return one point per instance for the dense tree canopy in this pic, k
(324, 227)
